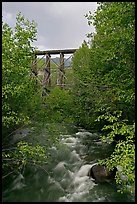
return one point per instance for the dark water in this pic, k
(65, 177)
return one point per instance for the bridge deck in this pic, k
(65, 51)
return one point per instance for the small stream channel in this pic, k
(68, 165)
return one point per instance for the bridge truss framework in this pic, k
(47, 65)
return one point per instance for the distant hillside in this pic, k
(67, 62)
(41, 62)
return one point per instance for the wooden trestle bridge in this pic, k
(46, 57)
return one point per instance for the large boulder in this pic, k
(101, 173)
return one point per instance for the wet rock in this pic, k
(21, 133)
(101, 173)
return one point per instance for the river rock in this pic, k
(101, 173)
(21, 133)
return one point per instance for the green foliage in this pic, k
(115, 125)
(17, 85)
(112, 55)
(21, 93)
(104, 91)
(22, 101)
(124, 151)
(102, 95)
(23, 154)
(57, 106)
(81, 89)
(123, 158)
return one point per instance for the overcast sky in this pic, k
(60, 24)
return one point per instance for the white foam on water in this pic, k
(53, 148)
(55, 186)
(79, 133)
(83, 171)
(60, 168)
(64, 199)
(79, 186)
(79, 180)
(18, 182)
(73, 143)
(79, 190)
(75, 181)
(71, 140)
(70, 145)
(74, 157)
(84, 133)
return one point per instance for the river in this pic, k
(65, 177)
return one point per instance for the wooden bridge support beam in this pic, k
(47, 71)
(61, 71)
(47, 79)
